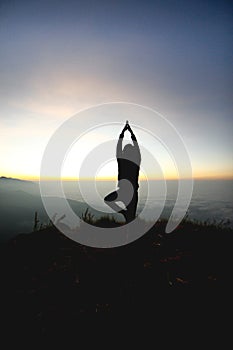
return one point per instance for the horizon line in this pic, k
(69, 179)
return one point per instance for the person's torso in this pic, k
(128, 170)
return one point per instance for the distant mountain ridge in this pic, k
(4, 178)
(20, 199)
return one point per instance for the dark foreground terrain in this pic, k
(49, 282)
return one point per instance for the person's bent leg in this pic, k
(111, 199)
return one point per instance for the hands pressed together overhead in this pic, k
(126, 127)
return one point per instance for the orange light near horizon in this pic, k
(196, 175)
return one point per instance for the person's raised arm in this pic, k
(133, 137)
(119, 143)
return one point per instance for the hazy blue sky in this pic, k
(57, 57)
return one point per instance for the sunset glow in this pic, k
(176, 60)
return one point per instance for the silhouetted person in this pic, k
(129, 160)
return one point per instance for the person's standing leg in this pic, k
(131, 208)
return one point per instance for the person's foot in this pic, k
(124, 213)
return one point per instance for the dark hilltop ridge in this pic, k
(14, 183)
(4, 178)
(49, 281)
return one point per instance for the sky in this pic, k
(60, 57)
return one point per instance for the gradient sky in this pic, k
(57, 57)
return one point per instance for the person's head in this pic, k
(128, 151)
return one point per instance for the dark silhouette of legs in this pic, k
(111, 200)
(132, 207)
(129, 212)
